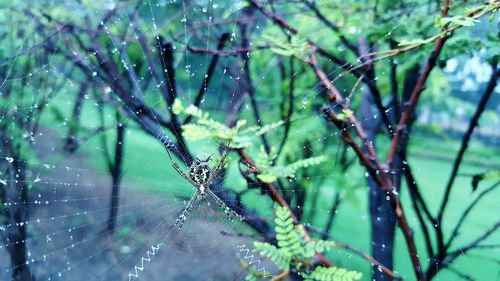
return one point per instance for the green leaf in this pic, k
(267, 178)
(177, 107)
(459, 20)
(477, 178)
(288, 171)
(321, 273)
(345, 114)
(205, 127)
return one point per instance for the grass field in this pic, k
(148, 169)
(147, 165)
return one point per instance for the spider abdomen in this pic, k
(200, 173)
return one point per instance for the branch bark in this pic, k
(271, 190)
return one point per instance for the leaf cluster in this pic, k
(203, 127)
(271, 173)
(294, 251)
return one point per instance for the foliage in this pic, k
(295, 251)
(240, 136)
(297, 46)
(272, 173)
(345, 114)
(490, 175)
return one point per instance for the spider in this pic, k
(201, 176)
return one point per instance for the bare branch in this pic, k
(481, 106)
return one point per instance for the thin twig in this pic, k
(481, 106)
(468, 210)
(281, 276)
(271, 190)
(209, 74)
(356, 251)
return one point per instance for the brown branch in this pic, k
(275, 18)
(271, 190)
(367, 257)
(385, 184)
(281, 276)
(334, 95)
(414, 98)
(289, 28)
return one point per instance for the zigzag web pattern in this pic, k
(146, 258)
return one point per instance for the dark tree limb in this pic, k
(451, 256)
(166, 52)
(382, 217)
(167, 89)
(286, 26)
(16, 192)
(334, 96)
(358, 252)
(71, 141)
(393, 77)
(290, 110)
(116, 171)
(481, 106)
(333, 211)
(370, 79)
(210, 72)
(461, 274)
(236, 51)
(419, 88)
(245, 57)
(385, 184)
(312, 5)
(418, 204)
(466, 212)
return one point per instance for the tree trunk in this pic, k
(71, 142)
(116, 174)
(382, 217)
(17, 215)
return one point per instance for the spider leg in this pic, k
(220, 165)
(222, 162)
(229, 212)
(184, 175)
(179, 222)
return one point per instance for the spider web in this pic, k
(69, 197)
